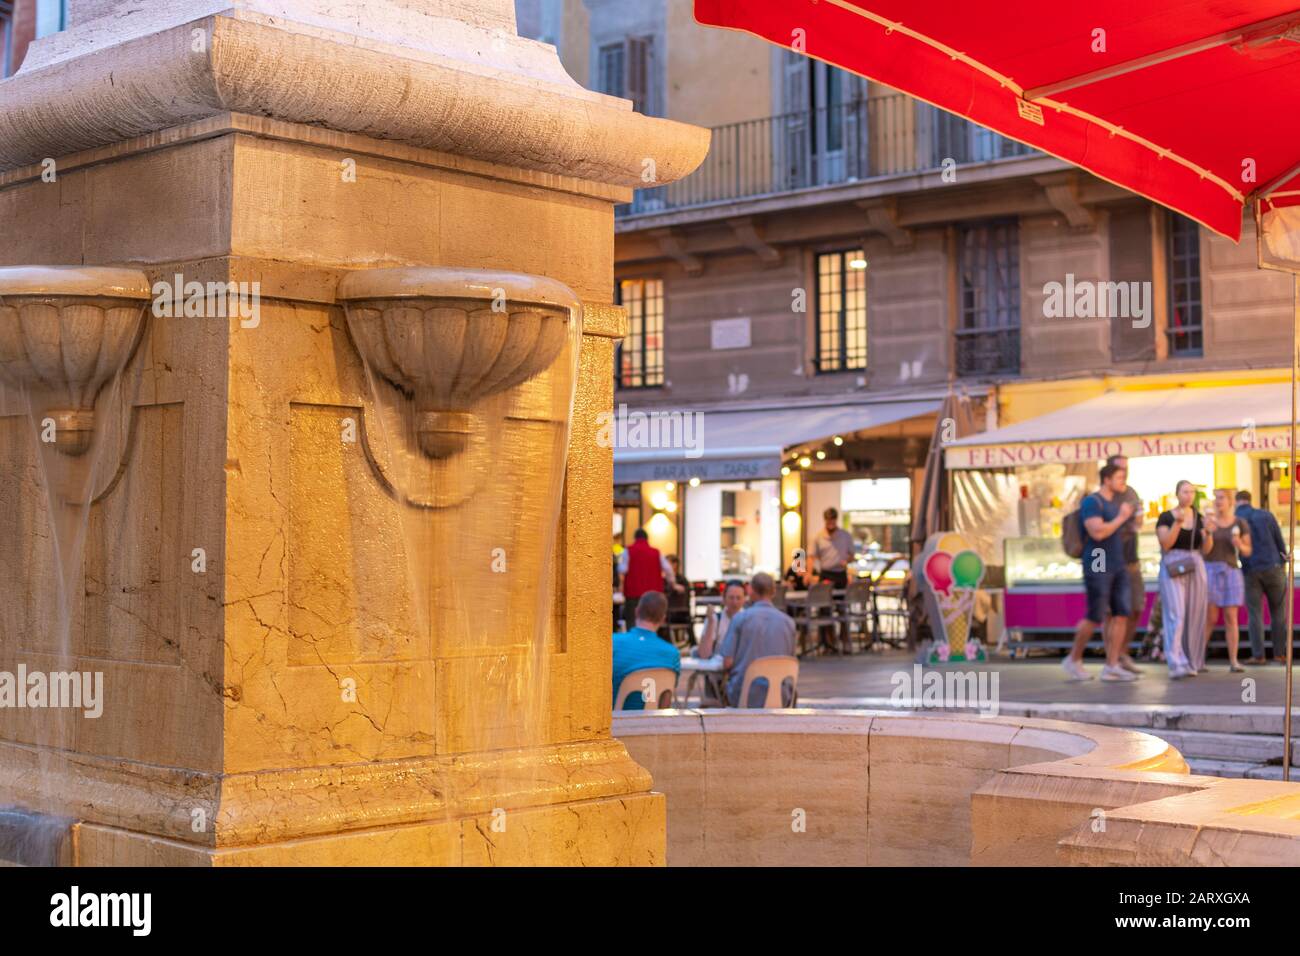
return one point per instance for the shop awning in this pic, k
(743, 445)
(1139, 423)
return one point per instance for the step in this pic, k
(1250, 748)
(1210, 718)
(1226, 768)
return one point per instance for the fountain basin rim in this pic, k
(436, 282)
(87, 281)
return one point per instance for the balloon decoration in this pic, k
(951, 574)
(938, 571)
(967, 569)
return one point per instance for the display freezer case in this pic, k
(1044, 590)
(1041, 561)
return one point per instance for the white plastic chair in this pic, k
(657, 695)
(776, 669)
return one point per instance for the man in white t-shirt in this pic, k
(833, 550)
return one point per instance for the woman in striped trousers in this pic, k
(1183, 592)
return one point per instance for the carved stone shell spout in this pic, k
(65, 332)
(449, 338)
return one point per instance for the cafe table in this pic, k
(709, 670)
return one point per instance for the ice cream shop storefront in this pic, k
(1012, 487)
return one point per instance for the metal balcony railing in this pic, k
(986, 352)
(860, 140)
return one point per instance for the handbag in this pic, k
(1178, 565)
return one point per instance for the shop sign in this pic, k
(729, 334)
(1082, 450)
(722, 469)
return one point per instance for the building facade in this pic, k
(845, 259)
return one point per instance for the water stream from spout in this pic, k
(479, 530)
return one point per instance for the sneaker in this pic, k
(1074, 670)
(1116, 673)
(1127, 663)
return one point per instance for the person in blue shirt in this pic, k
(1265, 575)
(1105, 576)
(642, 647)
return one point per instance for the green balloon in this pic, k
(967, 569)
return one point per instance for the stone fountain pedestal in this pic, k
(269, 695)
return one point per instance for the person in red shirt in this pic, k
(641, 569)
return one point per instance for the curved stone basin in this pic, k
(901, 789)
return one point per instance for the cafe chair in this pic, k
(681, 619)
(819, 614)
(859, 614)
(662, 688)
(776, 671)
(778, 599)
(891, 605)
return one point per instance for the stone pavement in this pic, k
(859, 678)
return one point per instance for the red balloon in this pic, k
(938, 571)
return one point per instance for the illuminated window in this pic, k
(841, 334)
(640, 359)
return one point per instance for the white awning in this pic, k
(736, 445)
(1137, 423)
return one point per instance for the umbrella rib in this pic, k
(892, 26)
(1261, 30)
(1266, 191)
(896, 26)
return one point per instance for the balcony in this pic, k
(982, 353)
(858, 141)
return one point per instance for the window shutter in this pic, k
(796, 145)
(6, 37)
(637, 84)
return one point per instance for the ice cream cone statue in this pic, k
(951, 573)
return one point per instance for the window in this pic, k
(1184, 255)
(6, 37)
(51, 16)
(988, 276)
(841, 332)
(640, 359)
(623, 69)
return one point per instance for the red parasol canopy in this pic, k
(1191, 103)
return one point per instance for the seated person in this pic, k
(710, 646)
(641, 647)
(758, 631)
(733, 602)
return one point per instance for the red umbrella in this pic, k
(1190, 103)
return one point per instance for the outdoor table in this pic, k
(707, 669)
(704, 605)
(801, 597)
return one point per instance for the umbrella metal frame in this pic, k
(1294, 272)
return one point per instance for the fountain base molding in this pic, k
(331, 627)
(426, 812)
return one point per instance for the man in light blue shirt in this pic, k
(641, 647)
(758, 631)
